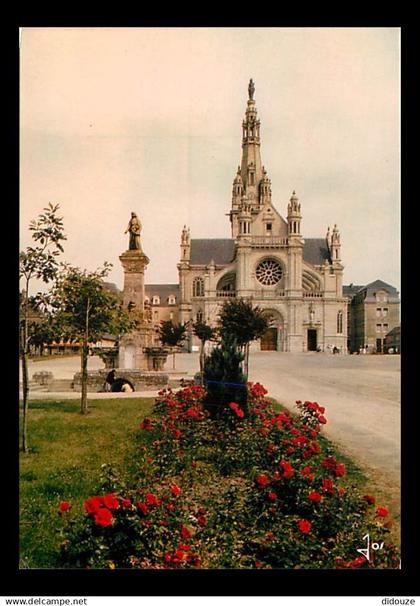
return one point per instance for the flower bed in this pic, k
(256, 490)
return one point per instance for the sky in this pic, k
(149, 120)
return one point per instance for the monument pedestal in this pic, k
(131, 346)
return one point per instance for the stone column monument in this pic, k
(134, 262)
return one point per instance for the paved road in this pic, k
(361, 395)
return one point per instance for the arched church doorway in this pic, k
(273, 338)
(269, 340)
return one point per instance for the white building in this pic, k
(297, 281)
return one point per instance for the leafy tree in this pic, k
(224, 378)
(84, 310)
(239, 319)
(172, 335)
(40, 334)
(205, 333)
(39, 262)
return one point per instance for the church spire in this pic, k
(251, 169)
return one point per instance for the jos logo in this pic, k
(365, 551)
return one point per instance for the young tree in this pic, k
(172, 335)
(239, 319)
(224, 378)
(38, 262)
(84, 310)
(205, 333)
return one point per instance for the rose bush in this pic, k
(255, 490)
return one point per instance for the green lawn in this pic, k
(64, 463)
(65, 458)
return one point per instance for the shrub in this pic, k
(229, 491)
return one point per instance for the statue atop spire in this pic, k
(251, 89)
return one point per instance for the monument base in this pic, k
(131, 348)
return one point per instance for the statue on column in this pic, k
(134, 229)
(185, 236)
(251, 89)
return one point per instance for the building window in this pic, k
(378, 327)
(385, 327)
(378, 312)
(269, 226)
(198, 287)
(340, 322)
(385, 312)
(156, 300)
(199, 316)
(171, 315)
(382, 296)
(269, 272)
(171, 300)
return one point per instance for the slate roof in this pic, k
(161, 290)
(349, 290)
(221, 250)
(379, 284)
(315, 251)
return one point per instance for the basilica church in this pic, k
(297, 281)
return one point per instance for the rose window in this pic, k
(269, 272)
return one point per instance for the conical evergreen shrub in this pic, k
(224, 379)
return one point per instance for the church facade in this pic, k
(297, 281)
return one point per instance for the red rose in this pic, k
(126, 503)
(322, 419)
(202, 520)
(184, 547)
(93, 504)
(151, 499)
(170, 507)
(315, 497)
(64, 506)
(288, 470)
(103, 517)
(304, 526)
(327, 485)
(186, 534)
(192, 413)
(321, 409)
(110, 501)
(340, 469)
(177, 433)
(382, 512)
(276, 475)
(175, 490)
(369, 499)
(143, 507)
(272, 496)
(179, 555)
(146, 424)
(315, 447)
(262, 480)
